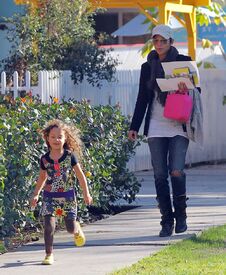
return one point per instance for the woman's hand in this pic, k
(132, 135)
(182, 88)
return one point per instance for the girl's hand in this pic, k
(88, 199)
(34, 201)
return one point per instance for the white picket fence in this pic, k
(59, 84)
(124, 91)
(15, 86)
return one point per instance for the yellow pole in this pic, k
(147, 14)
(190, 20)
(163, 14)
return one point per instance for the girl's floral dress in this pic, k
(59, 194)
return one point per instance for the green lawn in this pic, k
(202, 255)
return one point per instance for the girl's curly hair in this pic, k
(72, 135)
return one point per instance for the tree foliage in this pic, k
(58, 35)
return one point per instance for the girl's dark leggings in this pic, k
(49, 229)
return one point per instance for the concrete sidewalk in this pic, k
(125, 238)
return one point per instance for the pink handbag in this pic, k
(178, 107)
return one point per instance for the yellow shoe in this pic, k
(48, 260)
(79, 237)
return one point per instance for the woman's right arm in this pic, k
(38, 188)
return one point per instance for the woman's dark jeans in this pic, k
(168, 154)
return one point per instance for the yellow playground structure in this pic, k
(186, 8)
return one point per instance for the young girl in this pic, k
(57, 178)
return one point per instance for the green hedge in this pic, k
(107, 150)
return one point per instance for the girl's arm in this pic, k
(83, 183)
(38, 188)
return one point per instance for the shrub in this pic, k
(107, 150)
